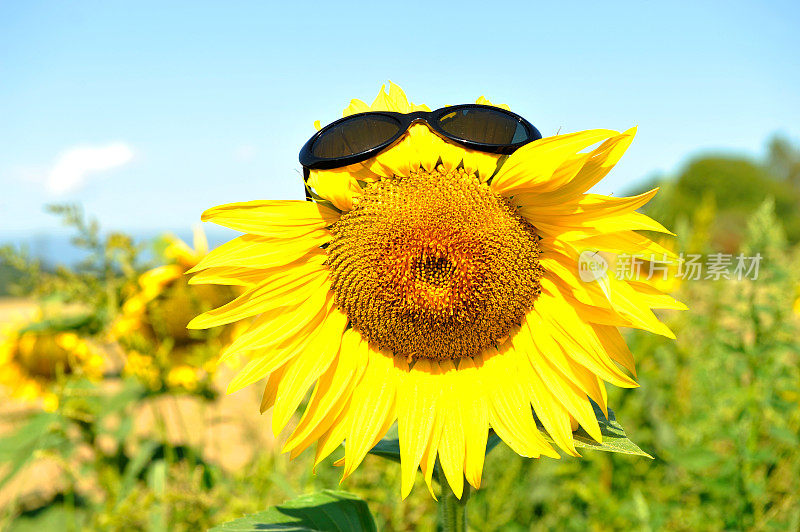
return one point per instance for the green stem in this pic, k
(452, 510)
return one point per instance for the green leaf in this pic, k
(60, 323)
(157, 482)
(326, 511)
(389, 446)
(614, 438)
(136, 466)
(492, 442)
(42, 431)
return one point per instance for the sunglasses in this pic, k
(359, 137)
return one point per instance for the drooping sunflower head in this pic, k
(35, 358)
(438, 287)
(160, 350)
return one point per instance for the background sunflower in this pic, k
(37, 357)
(151, 327)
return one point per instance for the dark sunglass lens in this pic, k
(486, 126)
(356, 135)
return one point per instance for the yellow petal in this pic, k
(333, 437)
(252, 251)
(534, 164)
(655, 298)
(373, 407)
(281, 219)
(283, 292)
(278, 329)
(623, 242)
(587, 207)
(550, 411)
(560, 321)
(271, 388)
(483, 101)
(382, 102)
(509, 410)
(339, 187)
(247, 277)
(427, 464)
(561, 383)
(452, 445)
(468, 388)
(593, 166)
(304, 370)
(632, 306)
(356, 106)
(416, 411)
(398, 99)
(603, 159)
(615, 346)
(332, 392)
(265, 361)
(555, 363)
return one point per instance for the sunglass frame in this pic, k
(311, 162)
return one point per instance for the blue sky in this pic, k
(149, 112)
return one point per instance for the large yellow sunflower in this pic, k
(151, 328)
(34, 358)
(439, 288)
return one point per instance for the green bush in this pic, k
(719, 409)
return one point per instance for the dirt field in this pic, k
(228, 431)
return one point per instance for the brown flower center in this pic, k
(434, 265)
(40, 356)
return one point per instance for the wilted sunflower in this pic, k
(160, 350)
(35, 357)
(437, 286)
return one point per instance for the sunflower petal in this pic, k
(373, 407)
(331, 393)
(467, 386)
(452, 445)
(284, 292)
(280, 218)
(339, 187)
(252, 251)
(534, 164)
(509, 410)
(416, 411)
(307, 368)
(278, 328)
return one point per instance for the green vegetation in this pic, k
(735, 187)
(718, 409)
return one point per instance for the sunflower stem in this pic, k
(452, 510)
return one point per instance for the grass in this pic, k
(719, 409)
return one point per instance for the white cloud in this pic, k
(75, 166)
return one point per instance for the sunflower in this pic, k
(34, 359)
(160, 350)
(438, 288)
(796, 306)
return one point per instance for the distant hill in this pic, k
(56, 248)
(733, 186)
